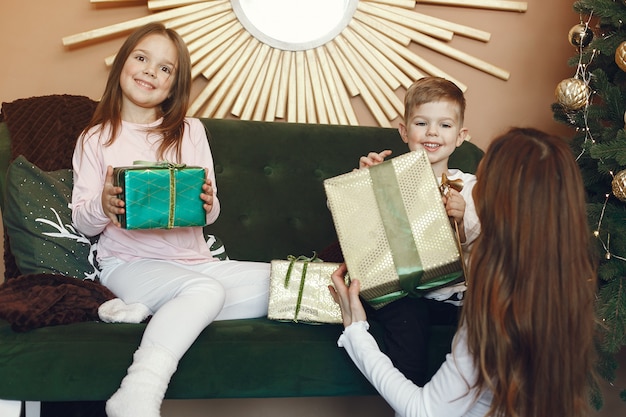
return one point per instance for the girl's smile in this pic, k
(147, 78)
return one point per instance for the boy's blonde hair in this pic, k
(432, 89)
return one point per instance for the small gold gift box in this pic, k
(395, 235)
(299, 291)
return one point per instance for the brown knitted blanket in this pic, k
(32, 301)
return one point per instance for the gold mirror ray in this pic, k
(369, 59)
(510, 6)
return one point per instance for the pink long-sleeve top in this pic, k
(90, 161)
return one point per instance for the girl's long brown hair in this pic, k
(529, 308)
(173, 109)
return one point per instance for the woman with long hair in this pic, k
(524, 347)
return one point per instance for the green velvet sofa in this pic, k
(270, 178)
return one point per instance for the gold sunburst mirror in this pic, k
(303, 60)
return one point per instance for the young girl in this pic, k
(171, 273)
(525, 341)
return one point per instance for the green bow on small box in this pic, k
(294, 259)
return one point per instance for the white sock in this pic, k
(143, 388)
(117, 311)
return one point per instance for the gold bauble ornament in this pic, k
(619, 185)
(620, 56)
(572, 93)
(580, 35)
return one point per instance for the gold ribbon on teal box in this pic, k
(161, 195)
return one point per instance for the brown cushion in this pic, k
(44, 129)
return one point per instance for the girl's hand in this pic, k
(111, 204)
(347, 297)
(455, 208)
(373, 158)
(207, 195)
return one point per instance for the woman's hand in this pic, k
(111, 204)
(347, 297)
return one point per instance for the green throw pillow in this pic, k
(38, 220)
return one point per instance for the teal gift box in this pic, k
(161, 195)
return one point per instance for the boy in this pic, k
(433, 121)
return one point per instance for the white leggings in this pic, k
(184, 299)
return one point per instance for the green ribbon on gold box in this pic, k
(299, 291)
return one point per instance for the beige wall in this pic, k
(533, 46)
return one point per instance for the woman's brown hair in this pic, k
(173, 109)
(529, 307)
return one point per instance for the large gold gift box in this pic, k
(394, 233)
(299, 292)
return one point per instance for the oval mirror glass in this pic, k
(294, 25)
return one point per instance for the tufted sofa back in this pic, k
(270, 181)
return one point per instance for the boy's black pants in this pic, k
(406, 325)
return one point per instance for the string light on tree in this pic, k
(599, 140)
(574, 93)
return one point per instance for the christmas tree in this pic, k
(593, 102)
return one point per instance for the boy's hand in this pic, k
(373, 158)
(207, 195)
(455, 208)
(111, 204)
